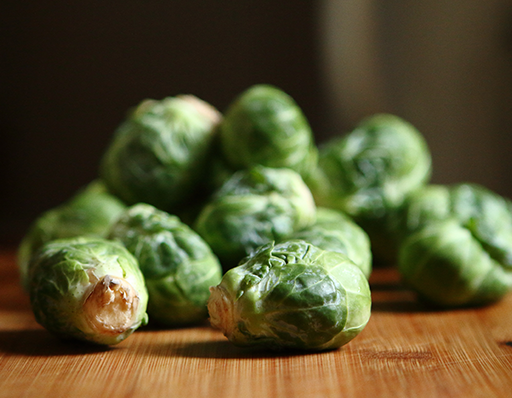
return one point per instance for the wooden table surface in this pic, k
(407, 350)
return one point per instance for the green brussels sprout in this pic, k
(265, 126)
(253, 207)
(447, 265)
(486, 214)
(370, 172)
(292, 295)
(159, 154)
(179, 267)
(90, 212)
(335, 231)
(457, 244)
(87, 288)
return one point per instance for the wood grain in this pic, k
(407, 350)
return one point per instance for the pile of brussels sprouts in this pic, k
(241, 218)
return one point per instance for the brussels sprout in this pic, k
(88, 289)
(255, 206)
(179, 267)
(457, 246)
(90, 212)
(486, 214)
(369, 173)
(448, 267)
(292, 295)
(335, 231)
(159, 154)
(265, 126)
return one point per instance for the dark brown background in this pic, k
(71, 70)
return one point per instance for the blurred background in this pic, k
(71, 70)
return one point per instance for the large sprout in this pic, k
(179, 267)
(370, 172)
(457, 245)
(87, 288)
(292, 295)
(90, 212)
(161, 151)
(264, 125)
(335, 231)
(255, 206)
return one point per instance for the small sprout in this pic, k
(292, 295)
(159, 154)
(456, 246)
(370, 172)
(178, 266)
(265, 126)
(88, 289)
(254, 207)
